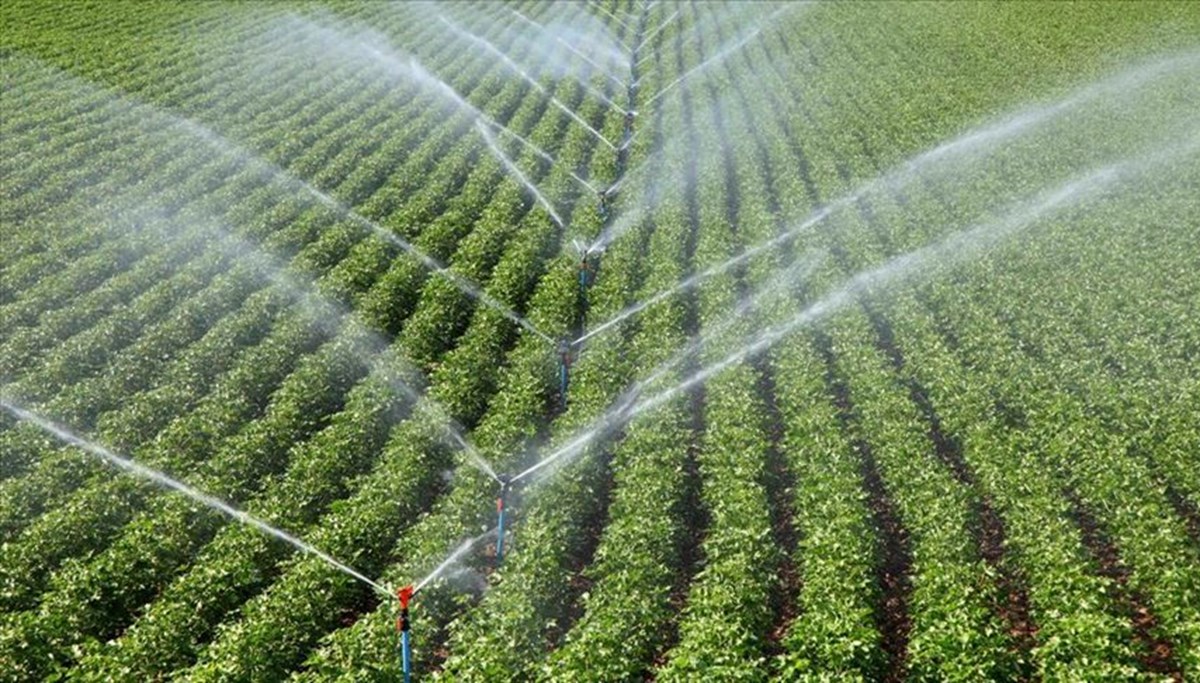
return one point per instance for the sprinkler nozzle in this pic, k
(405, 594)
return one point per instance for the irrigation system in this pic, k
(568, 348)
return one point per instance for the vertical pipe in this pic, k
(564, 364)
(500, 531)
(404, 595)
(406, 655)
(501, 505)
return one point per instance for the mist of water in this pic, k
(342, 210)
(575, 32)
(892, 273)
(720, 54)
(373, 49)
(621, 413)
(329, 316)
(619, 20)
(482, 42)
(607, 74)
(335, 41)
(542, 154)
(516, 172)
(165, 481)
(921, 262)
(990, 136)
(712, 271)
(736, 43)
(779, 284)
(659, 29)
(455, 555)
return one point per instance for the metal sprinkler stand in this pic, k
(501, 504)
(587, 275)
(564, 368)
(405, 594)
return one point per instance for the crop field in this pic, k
(616, 340)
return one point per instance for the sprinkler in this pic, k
(604, 198)
(589, 267)
(402, 625)
(629, 117)
(587, 271)
(564, 368)
(501, 504)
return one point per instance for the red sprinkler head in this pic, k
(405, 594)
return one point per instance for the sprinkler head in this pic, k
(405, 594)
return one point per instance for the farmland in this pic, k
(881, 327)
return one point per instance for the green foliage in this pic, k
(1025, 414)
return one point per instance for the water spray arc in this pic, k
(139, 470)
(291, 182)
(589, 60)
(723, 52)
(530, 79)
(891, 272)
(571, 48)
(405, 595)
(620, 21)
(516, 172)
(540, 152)
(656, 31)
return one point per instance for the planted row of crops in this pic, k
(857, 502)
(942, 571)
(501, 435)
(992, 406)
(318, 365)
